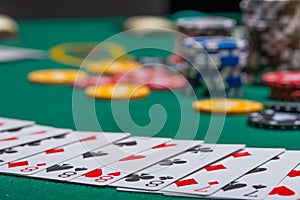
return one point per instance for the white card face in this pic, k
(34, 135)
(217, 175)
(257, 183)
(33, 164)
(106, 175)
(23, 131)
(39, 146)
(7, 124)
(99, 157)
(288, 188)
(167, 171)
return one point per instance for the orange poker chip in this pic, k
(227, 106)
(117, 91)
(111, 67)
(56, 76)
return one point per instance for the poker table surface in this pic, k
(53, 105)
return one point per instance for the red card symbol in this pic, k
(163, 146)
(93, 174)
(214, 167)
(282, 191)
(38, 133)
(241, 154)
(41, 164)
(294, 173)
(18, 164)
(51, 151)
(88, 139)
(1, 123)
(114, 174)
(213, 183)
(9, 139)
(186, 182)
(133, 157)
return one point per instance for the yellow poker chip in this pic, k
(227, 106)
(56, 76)
(112, 67)
(117, 91)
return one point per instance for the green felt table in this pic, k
(53, 105)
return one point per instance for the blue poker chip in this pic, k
(215, 43)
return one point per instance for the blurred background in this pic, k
(95, 8)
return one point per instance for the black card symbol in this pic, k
(1, 160)
(165, 178)
(80, 169)
(275, 158)
(35, 143)
(233, 186)
(198, 148)
(136, 177)
(94, 154)
(14, 130)
(59, 167)
(259, 186)
(60, 136)
(169, 162)
(256, 170)
(9, 150)
(121, 144)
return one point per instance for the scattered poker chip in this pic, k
(283, 107)
(147, 24)
(117, 91)
(214, 43)
(288, 79)
(227, 106)
(272, 119)
(93, 80)
(8, 26)
(56, 76)
(111, 67)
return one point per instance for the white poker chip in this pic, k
(8, 25)
(148, 24)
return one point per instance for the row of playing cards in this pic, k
(142, 164)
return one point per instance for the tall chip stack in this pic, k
(216, 65)
(274, 36)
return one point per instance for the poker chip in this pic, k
(56, 76)
(93, 80)
(214, 43)
(283, 107)
(272, 119)
(288, 79)
(117, 91)
(227, 106)
(8, 26)
(111, 67)
(147, 24)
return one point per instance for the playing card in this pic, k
(35, 135)
(35, 147)
(257, 183)
(50, 157)
(289, 188)
(99, 157)
(8, 124)
(108, 174)
(217, 175)
(165, 172)
(23, 131)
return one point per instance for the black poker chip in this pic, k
(271, 119)
(283, 107)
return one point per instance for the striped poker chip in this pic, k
(286, 79)
(215, 43)
(271, 119)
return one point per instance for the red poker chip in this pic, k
(286, 79)
(147, 73)
(93, 80)
(162, 83)
(295, 95)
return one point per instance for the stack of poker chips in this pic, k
(202, 26)
(215, 64)
(284, 85)
(274, 35)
